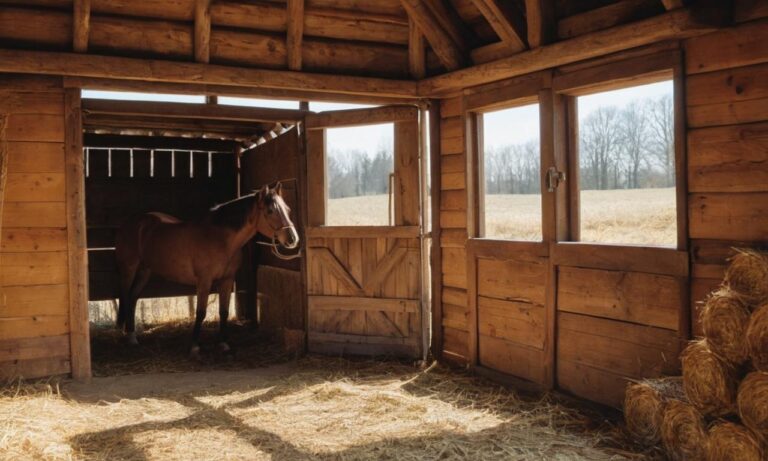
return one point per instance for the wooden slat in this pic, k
(30, 239)
(407, 191)
(38, 268)
(34, 368)
(652, 260)
(384, 268)
(317, 190)
(728, 97)
(35, 187)
(591, 383)
(516, 322)
(512, 359)
(34, 348)
(35, 157)
(30, 301)
(611, 15)
(728, 159)
(362, 304)
(512, 280)
(34, 214)
(35, 127)
(403, 232)
(192, 111)
(729, 216)
(81, 23)
(358, 117)
(334, 267)
(33, 327)
(727, 48)
(295, 26)
(25, 102)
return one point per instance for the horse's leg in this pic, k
(127, 275)
(225, 291)
(139, 281)
(203, 289)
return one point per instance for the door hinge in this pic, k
(554, 178)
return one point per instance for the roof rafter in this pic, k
(441, 41)
(203, 31)
(508, 23)
(81, 25)
(295, 26)
(540, 15)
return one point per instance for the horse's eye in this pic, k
(270, 210)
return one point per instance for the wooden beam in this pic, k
(540, 15)
(607, 16)
(417, 63)
(444, 47)
(357, 117)
(81, 25)
(198, 111)
(295, 18)
(450, 22)
(507, 23)
(77, 247)
(678, 24)
(147, 70)
(673, 4)
(203, 31)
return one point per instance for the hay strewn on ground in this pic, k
(311, 408)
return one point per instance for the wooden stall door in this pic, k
(364, 283)
(279, 282)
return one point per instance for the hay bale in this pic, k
(757, 338)
(683, 432)
(730, 441)
(725, 319)
(747, 276)
(644, 404)
(709, 382)
(753, 402)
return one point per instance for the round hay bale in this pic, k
(725, 319)
(683, 432)
(747, 276)
(709, 382)
(753, 402)
(644, 404)
(731, 441)
(757, 338)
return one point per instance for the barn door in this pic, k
(279, 282)
(364, 284)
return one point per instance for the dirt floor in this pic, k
(151, 402)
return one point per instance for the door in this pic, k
(364, 281)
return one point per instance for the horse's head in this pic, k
(275, 220)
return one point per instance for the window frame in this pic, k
(582, 80)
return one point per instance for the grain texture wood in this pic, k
(416, 51)
(540, 18)
(81, 23)
(203, 31)
(507, 22)
(191, 111)
(34, 368)
(407, 181)
(611, 15)
(652, 260)
(729, 216)
(443, 45)
(26, 301)
(34, 348)
(295, 26)
(728, 97)
(76, 232)
(358, 117)
(727, 48)
(380, 232)
(317, 303)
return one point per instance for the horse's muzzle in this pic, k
(293, 238)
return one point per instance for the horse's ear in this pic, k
(261, 194)
(279, 188)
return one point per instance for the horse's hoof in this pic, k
(194, 353)
(131, 338)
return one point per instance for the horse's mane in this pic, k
(234, 213)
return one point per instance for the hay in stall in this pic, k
(731, 441)
(683, 431)
(757, 338)
(315, 408)
(753, 402)
(725, 319)
(644, 404)
(747, 276)
(709, 382)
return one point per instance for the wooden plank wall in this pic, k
(34, 277)
(727, 113)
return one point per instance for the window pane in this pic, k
(512, 173)
(360, 160)
(256, 102)
(627, 166)
(134, 96)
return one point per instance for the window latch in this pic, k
(554, 178)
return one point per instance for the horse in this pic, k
(205, 253)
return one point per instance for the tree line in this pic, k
(628, 147)
(352, 173)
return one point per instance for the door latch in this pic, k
(554, 178)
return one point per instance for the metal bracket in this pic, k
(554, 178)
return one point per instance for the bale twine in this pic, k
(644, 404)
(725, 319)
(747, 276)
(753, 402)
(683, 432)
(709, 382)
(757, 338)
(730, 441)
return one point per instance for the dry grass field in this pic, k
(638, 216)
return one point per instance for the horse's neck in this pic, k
(244, 234)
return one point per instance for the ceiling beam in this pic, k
(451, 23)
(678, 24)
(508, 24)
(203, 31)
(540, 16)
(295, 27)
(81, 25)
(151, 70)
(417, 59)
(442, 44)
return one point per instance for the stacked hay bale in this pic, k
(718, 410)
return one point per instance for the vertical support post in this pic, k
(317, 190)
(76, 236)
(436, 256)
(202, 31)
(295, 18)
(416, 51)
(81, 25)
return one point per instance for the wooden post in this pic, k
(540, 15)
(295, 12)
(203, 31)
(416, 51)
(3, 168)
(76, 237)
(437, 280)
(81, 25)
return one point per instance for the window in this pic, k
(320, 106)
(255, 102)
(626, 154)
(511, 183)
(360, 162)
(135, 96)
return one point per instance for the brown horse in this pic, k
(204, 253)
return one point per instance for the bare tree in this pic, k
(661, 137)
(598, 147)
(633, 125)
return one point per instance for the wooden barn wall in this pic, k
(598, 345)
(34, 275)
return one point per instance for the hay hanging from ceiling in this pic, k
(753, 402)
(747, 276)
(709, 382)
(644, 404)
(757, 338)
(730, 442)
(683, 431)
(725, 319)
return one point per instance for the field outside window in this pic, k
(512, 179)
(627, 166)
(360, 161)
